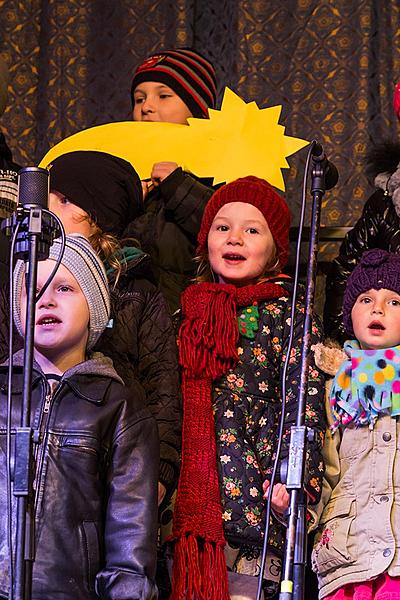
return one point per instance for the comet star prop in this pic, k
(238, 140)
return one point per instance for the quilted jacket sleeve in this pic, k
(159, 375)
(186, 198)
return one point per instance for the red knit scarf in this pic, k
(208, 349)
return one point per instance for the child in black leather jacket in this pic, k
(96, 445)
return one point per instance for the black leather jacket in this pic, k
(378, 227)
(96, 485)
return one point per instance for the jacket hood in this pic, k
(97, 364)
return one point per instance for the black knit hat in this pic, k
(186, 72)
(377, 270)
(105, 186)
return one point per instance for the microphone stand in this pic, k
(295, 558)
(33, 244)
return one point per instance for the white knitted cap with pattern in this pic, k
(84, 264)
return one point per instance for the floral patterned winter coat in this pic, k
(247, 406)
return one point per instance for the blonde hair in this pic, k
(204, 273)
(109, 248)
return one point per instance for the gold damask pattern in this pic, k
(331, 63)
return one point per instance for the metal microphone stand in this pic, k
(33, 243)
(295, 558)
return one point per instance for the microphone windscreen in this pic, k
(33, 187)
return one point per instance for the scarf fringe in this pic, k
(199, 573)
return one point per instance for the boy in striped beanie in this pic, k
(188, 75)
(95, 443)
(172, 86)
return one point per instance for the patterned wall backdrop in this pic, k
(332, 64)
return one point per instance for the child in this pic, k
(172, 86)
(356, 551)
(233, 343)
(96, 194)
(96, 464)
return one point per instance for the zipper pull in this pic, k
(47, 403)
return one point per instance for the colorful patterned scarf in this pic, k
(365, 386)
(208, 349)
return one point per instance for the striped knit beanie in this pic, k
(187, 73)
(260, 194)
(84, 264)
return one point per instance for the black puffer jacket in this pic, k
(141, 344)
(168, 231)
(378, 227)
(96, 483)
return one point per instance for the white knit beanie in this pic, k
(84, 264)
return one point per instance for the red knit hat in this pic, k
(260, 194)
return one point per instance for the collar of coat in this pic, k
(89, 379)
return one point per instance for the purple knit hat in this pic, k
(377, 270)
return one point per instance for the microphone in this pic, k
(33, 187)
(330, 171)
(33, 193)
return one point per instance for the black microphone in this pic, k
(33, 193)
(33, 187)
(330, 171)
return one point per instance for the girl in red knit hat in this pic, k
(233, 340)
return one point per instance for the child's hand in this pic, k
(280, 497)
(161, 492)
(161, 171)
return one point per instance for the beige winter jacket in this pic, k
(358, 536)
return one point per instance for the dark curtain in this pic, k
(331, 64)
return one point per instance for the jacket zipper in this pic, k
(44, 418)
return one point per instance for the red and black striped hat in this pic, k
(185, 71)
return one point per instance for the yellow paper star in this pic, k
(238, 140)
